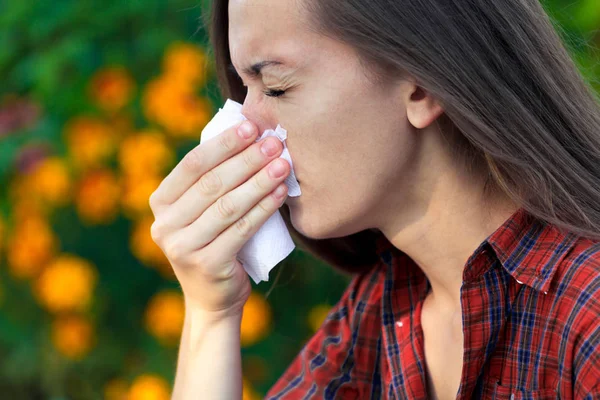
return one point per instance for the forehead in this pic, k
(260, 29)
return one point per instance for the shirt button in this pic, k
(521, 284)
(512, 396)
(399, 323)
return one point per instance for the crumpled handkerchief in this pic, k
(272, 242)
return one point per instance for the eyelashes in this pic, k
(274, 93)
(271, 92)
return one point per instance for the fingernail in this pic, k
(277, 169)
(246, 130)
(269, 147)
(280, 191)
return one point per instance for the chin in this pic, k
(312, 226)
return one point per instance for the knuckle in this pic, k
(225, 207)
(193, 161)
(264, 206)
(258, 183)
(227, 142)
(156, 231)
(244, 227)
(248, 160)
(209, 183)
(175, 251)
(152, 201)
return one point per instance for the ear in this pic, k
(421, 108)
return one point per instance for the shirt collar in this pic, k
(529, 249)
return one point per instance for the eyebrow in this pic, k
(255, 69)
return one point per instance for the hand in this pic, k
(208, 207)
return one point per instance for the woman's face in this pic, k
(349, 138)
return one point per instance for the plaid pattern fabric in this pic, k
(531, 324)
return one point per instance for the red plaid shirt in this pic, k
(531, 323)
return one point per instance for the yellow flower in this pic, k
(144, 249)
(144, 153)
(72, 336)
(256, 320)
(186, 62)
(116, 389)
(111, 88)
(50, 181)
(248, 392)
(317, 315)
(97, 197)
(90, 141)
(165, 315)
(136, 194)
(30, 246)
(66, 284)
(176, 108)
(149, 387)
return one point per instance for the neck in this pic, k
(441, 238)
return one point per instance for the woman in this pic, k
(448, 155)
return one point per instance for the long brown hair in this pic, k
(523, 112)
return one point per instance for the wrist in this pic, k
(201, 315)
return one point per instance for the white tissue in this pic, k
(272, 242)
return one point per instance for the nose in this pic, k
(259, 113)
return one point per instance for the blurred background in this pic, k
(98, 101)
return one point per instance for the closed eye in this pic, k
(271, 92)
(274, 93)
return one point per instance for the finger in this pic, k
(235, 237)
(200, 160)
(234, 205)
(221, 180)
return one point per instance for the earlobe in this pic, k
(422, 108)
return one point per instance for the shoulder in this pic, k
(578, 278)
(577, 305)
(577, 296)
(362, 297)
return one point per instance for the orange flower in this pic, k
(256, 320)
(116, 389)
(144, 249)
(317, 315)
(90, 141)
(66, 284)
(186, 63)
(30, 246)
(72, 336)
(97, 197)
(144, 153)
(111, 88)
(149, 387)
(176, 108)
(136, 194)
(165, 315)
(50, 181)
